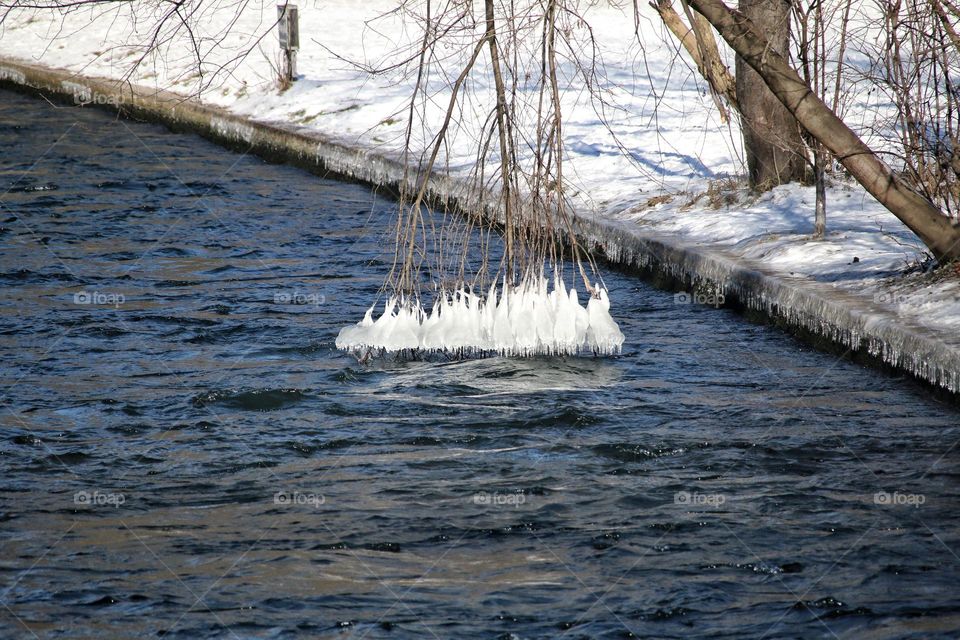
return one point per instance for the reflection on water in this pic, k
(185, 455)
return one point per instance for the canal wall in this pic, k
(815, 311)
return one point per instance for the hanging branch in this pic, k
(502, 119)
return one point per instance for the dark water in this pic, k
(184, 454)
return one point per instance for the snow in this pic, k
(680, 178)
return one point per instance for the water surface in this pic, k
(185, 455)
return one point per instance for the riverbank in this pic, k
(861, 325)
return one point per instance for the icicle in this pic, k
(524, 320)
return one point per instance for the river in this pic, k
(184, 453)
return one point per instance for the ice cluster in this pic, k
(523, 320)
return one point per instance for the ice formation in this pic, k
(524, 320)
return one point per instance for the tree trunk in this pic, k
(820, 180)
(915, 211)
(775, 151)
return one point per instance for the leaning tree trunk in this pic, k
(919, 214)
(775, 150)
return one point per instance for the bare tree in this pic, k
(819, 58)
(916, 65)
(924, 218)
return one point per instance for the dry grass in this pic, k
(658, 200)
(723, 193)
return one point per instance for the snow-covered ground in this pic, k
(679, 178)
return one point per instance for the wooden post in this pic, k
(288, 21)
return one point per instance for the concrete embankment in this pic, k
(823, 315)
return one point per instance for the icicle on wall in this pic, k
(839, 317)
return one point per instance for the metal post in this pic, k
(288, 20)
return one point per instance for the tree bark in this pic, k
(919, 214)
(775, 150)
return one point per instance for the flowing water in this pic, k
(183, 453)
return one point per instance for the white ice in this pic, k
(523, 320)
